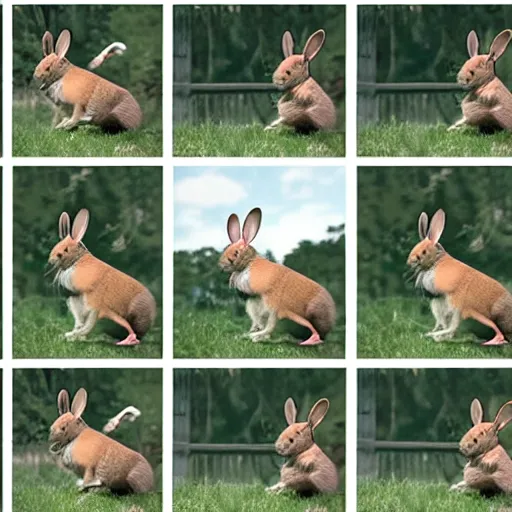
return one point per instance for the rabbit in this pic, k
(489, 468)
(95, 100)
(488, 104)
(468, 293)
(308, 469)
(99, 460)
(304, 105)
(97, 289)
(278, 291)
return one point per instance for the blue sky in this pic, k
(298, 203)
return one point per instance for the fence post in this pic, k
(182, 62)
(367, 423)
(181, 420)
(367, 101)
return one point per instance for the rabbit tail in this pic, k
(140, 478)
(321, 312)
(142, 313)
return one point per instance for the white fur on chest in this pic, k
(65, 279)
(426, 280)
(67, 458)
(55, 93)
(240, 281)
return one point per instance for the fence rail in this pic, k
(416, 446)
(224, 448)
(221, 88)
(394, 87)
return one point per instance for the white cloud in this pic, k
(208, 190)
(297, 182)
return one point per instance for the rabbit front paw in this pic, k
(62, 123)
(278, 488)
(460, 487)
(73, 336)
(259, 336)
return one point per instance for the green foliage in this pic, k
(478, 228)
(223, 497)
(413, 139)
(231, 140)
(40, 324)
(407, 496)
(395, 328)
(35, 404)
(220, 333)
(93, 27)
(33, 136)
(49, 489)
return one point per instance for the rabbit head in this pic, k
(483, 436)
(240, 253)
(70, 248)
(298, 437)
(294, 69)
(479, 69)
(425, 253)
(69, 424)
(54, 64)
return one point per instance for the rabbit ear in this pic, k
(423, 225)
(80, 225)
(318, 412)
(47, 43)
(472, 43)
(290, 411)
(499, 45)
(63, 43)
(504, 416)
(63, 402)
(79, 403)
(234, 232)
(477, 412)
(251, 225)
(437, 226)
(287, 44)
(64, 225)
(314, 45)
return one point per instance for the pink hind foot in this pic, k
(313, 340)
(131, 339)
(499, 339)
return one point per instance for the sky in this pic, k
(298, 203)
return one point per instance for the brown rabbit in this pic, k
(489, 468)
(488, 104)
(467, 292)
(97, 289)
(308, 469)
(95, 100)
(99, 460)
(304, 105)
(279, 291)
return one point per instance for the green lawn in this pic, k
(408, 139)
(233, 140)
(33, 136)
(395, 327)
(392, 496)
(219, 334)
(39, 326)
(248, 498)
(50, 489)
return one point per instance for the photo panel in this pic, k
(70, 98)
(433, 439)
(281, 295)
(81, 440)
(259, 439)
(268, 81)
(434, 80)
(433, 263)
(87, 262)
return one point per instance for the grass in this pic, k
(233, 140)
(223, 497)
(395, 327)
(219, 334)
(49, 489)
(409, 139)
(33, 136)
(38, 333)
(406, 496)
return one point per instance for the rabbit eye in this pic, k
(236, 253)
(424, 252)
(475, 440)
(59, 255)
(66, 249)
(291, 440)
(288, 72)
(472, 73)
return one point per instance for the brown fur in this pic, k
(110, 106)
(94, 456)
